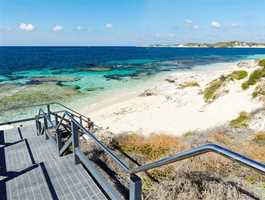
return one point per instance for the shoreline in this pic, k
(119, 95)
(169, 110)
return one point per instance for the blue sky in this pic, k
(129, 22)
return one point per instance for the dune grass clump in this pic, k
(210, 93)
(255, 76)
(189, 84)
(238, 75)
(241, 121)
(262, 63)
(259, 90)
(259, 138)
(153, 147)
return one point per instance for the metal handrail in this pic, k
(135, 181)
(45, 104)
(115, 158)
(77, 114)
(202, 150)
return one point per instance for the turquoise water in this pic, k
(92, 71)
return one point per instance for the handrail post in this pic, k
(49, 110)
(75, 141)
(81, 120)
(38, 125)
(135, 187)
(56, 119)
(59, 140)
(45, 127)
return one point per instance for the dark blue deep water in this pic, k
(14, 59)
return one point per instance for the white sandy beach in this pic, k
(167, 108)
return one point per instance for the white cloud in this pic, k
(26, 27)
(79, 28)
(196, 27)
(215, 24)
(189, 24)
(235, 25)
(57, 28)
(108, 25)
(188, 21)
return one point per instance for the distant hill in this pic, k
(226, 44)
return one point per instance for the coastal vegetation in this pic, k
(255, 76)
(207, 176)
(152, 147)
(241, 121)
(204, 177)
(238, 75)
(211, 92)
(259, 90)
(259, 138)
(189, 84)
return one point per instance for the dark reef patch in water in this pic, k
(43, 79)
(114, 77)
(96, 69)
(12, 77)
(91, 89)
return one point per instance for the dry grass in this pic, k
(189, 84)
(153, 147)
(259, 138)
(209, 176)
(202, 177)
(195, 186)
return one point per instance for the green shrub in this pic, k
(238, 75)
(241, 121)
(259, 91)
(189, 84)
(262, 63)
(259, 138)
(253, 78)
(210, 93)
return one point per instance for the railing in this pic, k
(48, 107)
(135, 185)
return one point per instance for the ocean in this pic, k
(27, 73)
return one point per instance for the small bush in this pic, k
(210, 93)
(253, 78)
(152, 147)
(238, 75)
(259, 91)
(262, 63)
(189, 84)
(241, 121)
(259, 137)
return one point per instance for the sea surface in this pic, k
(94, 70)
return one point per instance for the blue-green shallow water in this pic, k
(20, 64)
(95, 70)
